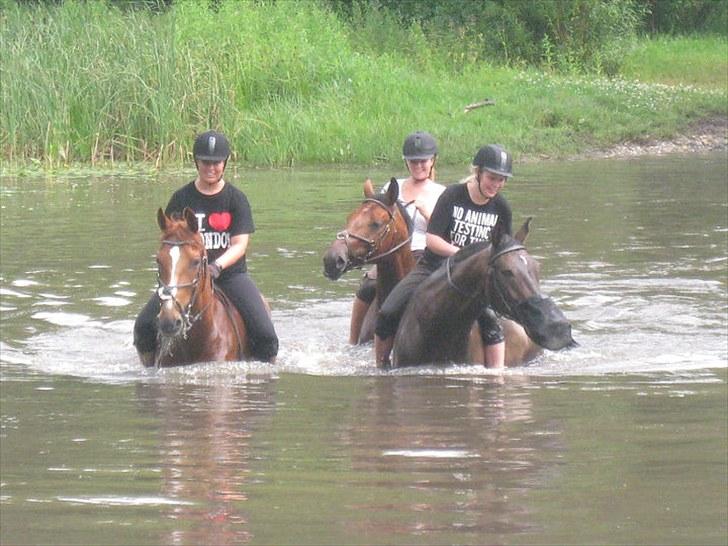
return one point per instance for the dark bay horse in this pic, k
(437, 323)
(196, 322)
(377, 232)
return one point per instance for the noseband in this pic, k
(167, 291)
(372, 244)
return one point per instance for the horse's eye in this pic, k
(195, 263)
(375, 225)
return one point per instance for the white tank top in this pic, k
(430, 197)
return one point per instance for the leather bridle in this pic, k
(166, 291)
(372, 244)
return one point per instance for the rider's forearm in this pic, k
(440, 246)
(236, 250)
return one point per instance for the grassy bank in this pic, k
(291, 84)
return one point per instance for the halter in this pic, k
(491, 279)
(372, 244)
(165, 291)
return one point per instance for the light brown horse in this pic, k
(196, 322)
(377, 232)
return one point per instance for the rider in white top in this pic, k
(419, 194)
(419, 209)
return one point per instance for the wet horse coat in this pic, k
(196, 322)
(366, 240)
(377, 232)
(437, 324)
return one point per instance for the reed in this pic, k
(291, 84)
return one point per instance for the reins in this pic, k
(491, 279)
(372, 244)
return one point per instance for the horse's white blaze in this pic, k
(174, 254)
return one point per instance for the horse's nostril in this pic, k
(340, 263)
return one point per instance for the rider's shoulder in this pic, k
(233, 190)
(455, 189)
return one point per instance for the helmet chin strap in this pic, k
(479, 188)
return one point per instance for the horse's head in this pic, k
(181, 270)
(376, 229)
(514, 291)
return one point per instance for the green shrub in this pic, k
(290, 82)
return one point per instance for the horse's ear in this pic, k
(161, 219)
(522, 233)
(190, 218)
(392, 192)
(368, 188)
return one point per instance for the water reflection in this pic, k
(457, 454)
(204, 452)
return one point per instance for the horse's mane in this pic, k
(506, 241)
(468, 251)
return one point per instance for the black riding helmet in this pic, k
(211, 146)
(419, 145)
(495, 159)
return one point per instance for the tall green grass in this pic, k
(682, 60)
(290, 83)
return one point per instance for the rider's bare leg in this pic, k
(358, 312)
(495, 355)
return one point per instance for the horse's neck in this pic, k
(392, 270)
(205, 303)
(467, 281)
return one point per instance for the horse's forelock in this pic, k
(506, 242)
(381, 198)
(178, 230)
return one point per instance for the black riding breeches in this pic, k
(490, 329)
(145, 326)
(245, 296)
(393, 307)
(367, 288)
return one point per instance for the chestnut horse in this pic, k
(438, 321)
(377, 232)
(196, 322)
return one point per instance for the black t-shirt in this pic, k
(461, 222)
(219, 218)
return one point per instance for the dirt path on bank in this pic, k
(703, 136)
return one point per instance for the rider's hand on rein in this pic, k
(214, 270)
